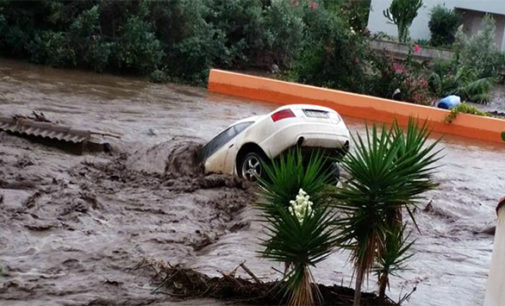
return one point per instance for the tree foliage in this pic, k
(443, 25)
(303, 239)
(390, 169)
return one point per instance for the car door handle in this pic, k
(230, 146)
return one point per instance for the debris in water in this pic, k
(182, 282)
(41, 127)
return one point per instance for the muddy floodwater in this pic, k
(74, 227)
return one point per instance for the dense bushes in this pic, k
(182, 39)
(443, 25)
(333, 53)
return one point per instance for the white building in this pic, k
(472, 12)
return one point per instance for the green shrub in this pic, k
(58, 50)
(158, 76)
(480, 51)
(389, 75)
(443, 25)
(241, 21)
(138, 49)
(448, 78)
(283, 35)
(465, 109)
(99, 54)
(333, 55)
(475, 68)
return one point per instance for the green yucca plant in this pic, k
(298, 238)
(389, 169)
(292, 171)
(394, 257)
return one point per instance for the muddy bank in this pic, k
(185, 283)
(74, 226)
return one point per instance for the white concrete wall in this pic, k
(495, 293)
(419, 29)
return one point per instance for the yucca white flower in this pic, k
(301, 206)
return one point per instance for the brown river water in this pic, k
(73, 227)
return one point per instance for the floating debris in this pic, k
(39, 126)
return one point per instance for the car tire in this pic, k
(251, 166)
(335, 172)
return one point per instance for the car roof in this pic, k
(290, 106)
(304, 106)
(248, 119)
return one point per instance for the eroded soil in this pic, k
(72, 223)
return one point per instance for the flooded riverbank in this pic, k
(74, 226)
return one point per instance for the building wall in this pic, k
(495, 293)
(419, 29)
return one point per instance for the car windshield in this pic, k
(224, 137)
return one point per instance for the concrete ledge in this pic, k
(354, 105)
(400, 50)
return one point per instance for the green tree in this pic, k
(389, 171)
(299, 224)
(138, 49)
(393, 259)
(402, 13)
(443, 25)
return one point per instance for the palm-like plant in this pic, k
(290, 172)
(389, 171)
(299, 225)
(393, 259)
(463, 81)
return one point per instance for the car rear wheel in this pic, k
(251, 166)
(334, 172)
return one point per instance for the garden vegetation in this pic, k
(179, 39)
(318, 42)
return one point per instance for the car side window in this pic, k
(223, 137)
(241, 126)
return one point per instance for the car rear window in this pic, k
(222, 138)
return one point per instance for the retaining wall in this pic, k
(354, 105)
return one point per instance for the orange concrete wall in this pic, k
(354, 105)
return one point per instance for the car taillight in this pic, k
(282, 114)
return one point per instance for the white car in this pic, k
(241, 147)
